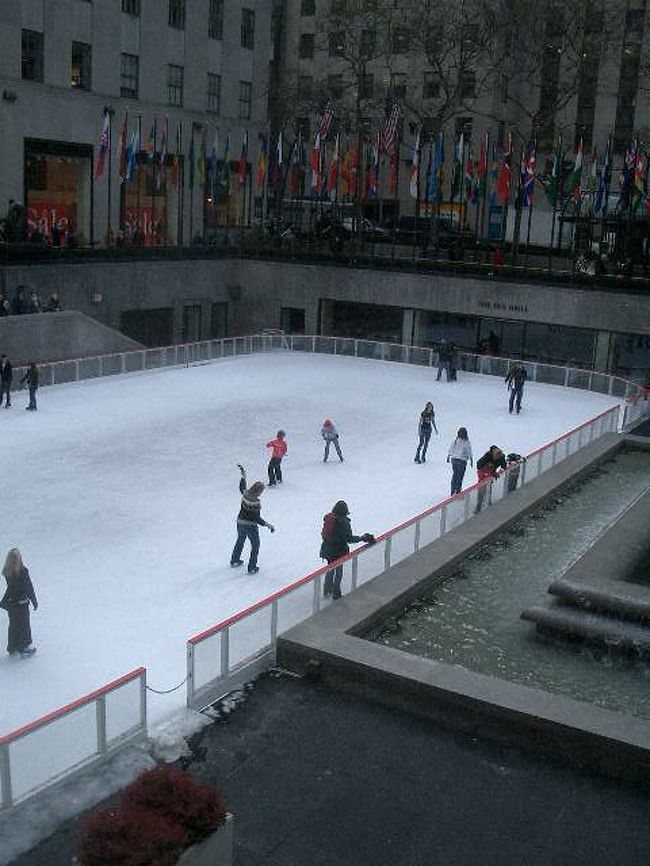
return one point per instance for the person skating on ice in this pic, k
(460, 454)
(445, 353)
(31, 377)
(249, 520)
(426, 423)
(515, 381)
(6, 375)
(331, 437)
(487, 469)
(16, 600)
(278, 448)
(336, 536)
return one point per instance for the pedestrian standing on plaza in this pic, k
(336, 535)
(278, 448)
(460, 453)
(445, 351)
(331, 437)
(6, 375)
(487, 469)
(426, 424)
(16, 600)
(31, 378)
(249, 520)
(515, 379)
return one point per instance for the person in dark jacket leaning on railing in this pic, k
(337, 535)
(31, 377)
(249, 520)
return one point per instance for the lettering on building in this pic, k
(502, 307)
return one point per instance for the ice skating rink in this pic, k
(122, 495)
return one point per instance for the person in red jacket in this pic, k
(279, 449)
(487, 469)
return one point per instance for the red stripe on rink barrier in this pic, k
(72, 706)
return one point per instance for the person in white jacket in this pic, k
(331, 437)
(460, 452)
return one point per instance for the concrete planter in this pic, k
(216, 850)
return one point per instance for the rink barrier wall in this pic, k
(74, 737)
(225, 656)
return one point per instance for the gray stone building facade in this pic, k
(182, 69)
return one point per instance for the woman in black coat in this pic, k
(337, 535)
(16, 600)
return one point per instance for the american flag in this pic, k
(103, 146)
(388, 128)
(324, 122)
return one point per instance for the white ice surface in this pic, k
(122, 495)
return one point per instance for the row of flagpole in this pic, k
(331, 171)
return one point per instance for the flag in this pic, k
(176, 158)
(151, 143)
(349, 172)
(213, 163)
(242, 166)
(470, 178)
(262, 163)
(333, 173)
(600, 202)
(200, 158)
(389, 128)
(103, 145)
(393, 167)
(494, 177)
(122, 148)
(481, 184)
(435, 185)
(191, 156)
(573, 186)
(553, 180)
(297, 165)
(224, 176)
(314, 163)
(639, 181)
(372, 176)
(626, 176)
(458, 165)
(163, 154)
(505, 174)
(414, 179)
(528, 167)
(324, 122)
(132, 156)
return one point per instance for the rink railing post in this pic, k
(443, 520)
(225, 651)
(274, 624)
(539, 462)
(100, 715)
(356, 348)
(566, 377)
(143, 700)
(6, 798)
(387, 549)
(315, 601)
(416, 537)
(355, 572)
(190, 674)
(554, 454)
(466, 504)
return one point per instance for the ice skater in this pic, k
(445, 354)
(515, 381)
(31, 377)
(331, 437)
(16, 601)
(426, 423)
(6, 375)
(336, 536)
(279, 449)
(487, 469)
(460, 453)
(249, 520)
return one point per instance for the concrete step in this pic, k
(618, 635)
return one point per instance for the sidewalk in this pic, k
(315, 777)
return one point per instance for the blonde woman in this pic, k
(15, 601)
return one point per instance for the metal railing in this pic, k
(233, 651)
(73, 737)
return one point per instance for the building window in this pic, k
(32, 55)
(430, 86)
(131, 7)
(306, 46)
(247, 28)
(245, 99)
(398, 85)
(177, 14)
(308, 8)
(337, 43)
(175, 85)
(305, 86)
(129, 76)
(214, 93)
(335, 85)
(215, 21)
(399, 40)
(80, 66)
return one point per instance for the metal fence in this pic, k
(233, 651)
(73, 737)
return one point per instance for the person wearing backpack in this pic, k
(336, 536)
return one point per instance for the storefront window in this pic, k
(149, 206)
(58, 192)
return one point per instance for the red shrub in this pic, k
(160, 815)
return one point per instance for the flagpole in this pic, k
(180, 180)
(192, 184)
(558, 164)
(109, 111)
